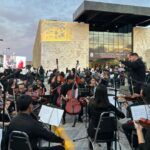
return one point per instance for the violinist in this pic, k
(41, 87)
(129, 126)
(6, 118)
(33, 94)
(82, 93)
(21, 88)
(34, 129)
(93, 85)
(144, 141)
(55, 88)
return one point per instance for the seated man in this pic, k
(25, 123)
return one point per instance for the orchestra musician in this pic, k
(93, 84)
(55, 86)
(97, 106)
(6, 117)
(81, 93)
(64, 89)
(144, 141)
(41, 87)
(129, 126)
(25, 123)
(21, 88)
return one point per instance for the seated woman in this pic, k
(144, 141)
(99, 105)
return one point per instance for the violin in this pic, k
(34, 95)
(133, 97)
(144, 122)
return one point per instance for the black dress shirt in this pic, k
(35, 130)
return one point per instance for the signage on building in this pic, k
(55, 31)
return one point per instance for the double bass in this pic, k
(73, 106)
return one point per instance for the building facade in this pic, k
(65, 41)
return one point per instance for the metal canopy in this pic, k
(109, 17)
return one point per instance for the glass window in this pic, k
(111, 48)
(103, 42)
(101, 49)
(96, 39)
(111, 39)
(106, 48)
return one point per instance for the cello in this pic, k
(73, 106)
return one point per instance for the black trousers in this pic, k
(64, 108)
(128, 128)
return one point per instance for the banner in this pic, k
(20, 62)
(9, 61)
(14, 61)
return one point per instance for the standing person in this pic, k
(64, 90)
(55, 89)
(82, 92)
(137, 71)
(25, 123)
(41, 73)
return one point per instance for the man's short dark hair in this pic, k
(70, 77)
(134, 54)
(23, 102)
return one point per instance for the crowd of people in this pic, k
(72, 91)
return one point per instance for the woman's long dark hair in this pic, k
(101, 96)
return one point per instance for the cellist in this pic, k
(64, 89)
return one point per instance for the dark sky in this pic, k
(19, 20)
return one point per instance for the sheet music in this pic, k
(141, 111)
(112, 101)
(56, 117)
(45, 113)
(50, 115)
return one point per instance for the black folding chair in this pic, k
(19, 141)
(105, 130)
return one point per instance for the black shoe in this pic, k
(64, 121)
(80, 120)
